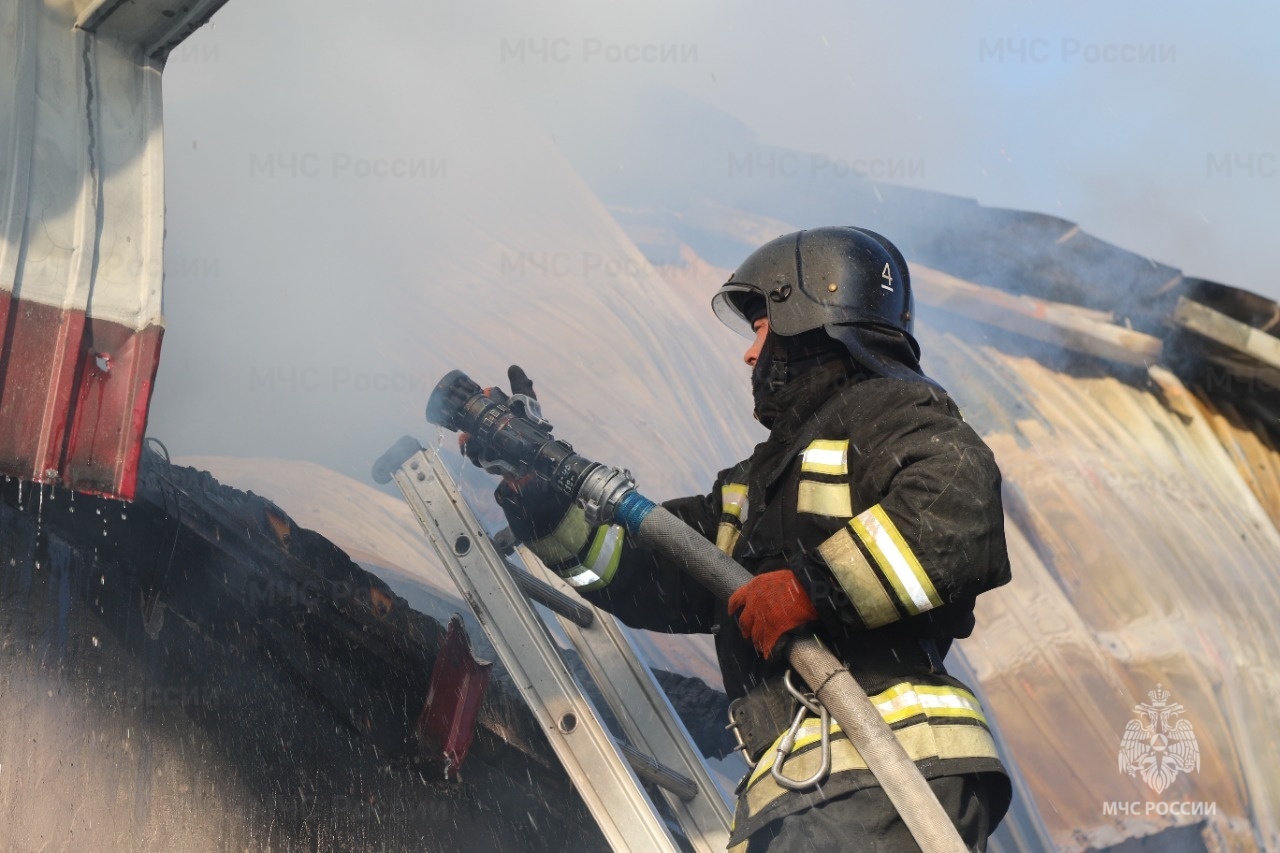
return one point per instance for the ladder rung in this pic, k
(550, 597)
(659, 774)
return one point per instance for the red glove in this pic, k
(770, 605)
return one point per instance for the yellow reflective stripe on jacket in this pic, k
(921, 741)
(602, 560)
(733, 503)
(900, 702)
(727, 537)
(733, 500)
(819, 498)
(859, 581)
(826, 457)
(904, 701)
(899, 564)
(566, 540)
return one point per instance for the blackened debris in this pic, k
(198, 630)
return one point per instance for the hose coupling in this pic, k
(602, 490)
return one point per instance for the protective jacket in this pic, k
(887, 507)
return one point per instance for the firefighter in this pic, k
(871, 516)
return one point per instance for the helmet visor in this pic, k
(728, 304)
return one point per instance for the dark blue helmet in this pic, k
(849, 281)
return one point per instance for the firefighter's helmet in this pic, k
(850, 281)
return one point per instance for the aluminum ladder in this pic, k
(606, 773)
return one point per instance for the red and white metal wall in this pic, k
(82, 232)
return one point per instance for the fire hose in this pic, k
(511, 435)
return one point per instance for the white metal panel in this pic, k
(154, 27)
(83, 182)
(17, 124)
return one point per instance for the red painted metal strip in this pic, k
(74, 396)
(117, 371)
(35, 386)
(458, 682)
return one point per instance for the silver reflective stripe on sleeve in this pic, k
(582, 576)
(898, 562)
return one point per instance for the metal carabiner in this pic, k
(742, 745)
(808, 705)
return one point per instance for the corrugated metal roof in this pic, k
(1142, 488)
(1141, 558)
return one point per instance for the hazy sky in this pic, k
(1152, 124)
(333, 178)
(1117, 116)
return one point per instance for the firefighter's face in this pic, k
(752, 355)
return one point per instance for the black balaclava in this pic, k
(784, 363)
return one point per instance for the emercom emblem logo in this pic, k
(1156, 745)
